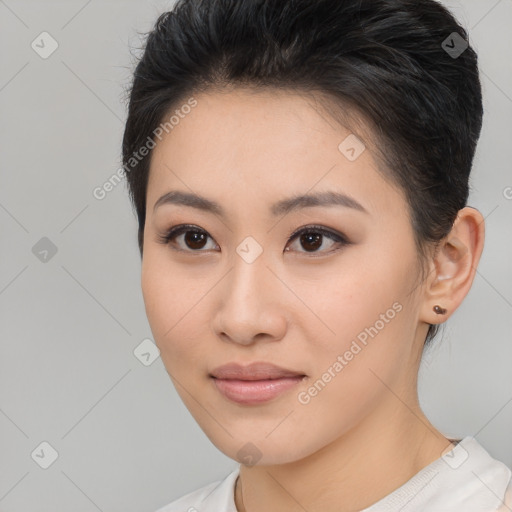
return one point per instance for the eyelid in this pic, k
(318, 229)
(178, 230)
(333, 235)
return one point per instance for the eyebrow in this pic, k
(281, 207)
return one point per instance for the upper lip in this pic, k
(253, 371)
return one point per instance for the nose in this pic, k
(250, 304)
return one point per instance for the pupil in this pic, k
(192, 240)
(311, 238)
(196, 239)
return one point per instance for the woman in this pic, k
(300, 175)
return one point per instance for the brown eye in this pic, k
(312, 238)
(311, 241)
(194, 239)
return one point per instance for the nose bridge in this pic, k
(248, 305)
(250, 274)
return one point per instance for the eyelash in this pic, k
(176, 231)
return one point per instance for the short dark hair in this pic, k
(387, 61)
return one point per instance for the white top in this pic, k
(465, 479)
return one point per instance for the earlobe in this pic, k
(439, 310)
(454, 266)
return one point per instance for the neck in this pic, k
(355, 471)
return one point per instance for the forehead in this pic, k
(252, 121)
(260, 144)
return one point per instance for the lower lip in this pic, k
(255, 391)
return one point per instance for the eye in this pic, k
(193, 236)
(311, 238)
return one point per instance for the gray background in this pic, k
(69, 326)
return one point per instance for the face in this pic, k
(336, 304)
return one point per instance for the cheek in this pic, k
(369, 348)
(353, 297)
(172, 307)
(363, 315)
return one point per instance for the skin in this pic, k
(364, 434)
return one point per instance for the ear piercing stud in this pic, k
(439, 310)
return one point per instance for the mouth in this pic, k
(254, 384)
(250, 392)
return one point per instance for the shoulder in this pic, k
(466, 478)
(217, 496)
(506, 506)
(470, 479)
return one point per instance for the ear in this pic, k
(454, 266)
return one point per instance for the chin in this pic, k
(261, 451)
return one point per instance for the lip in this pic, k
(254, 384)
(253, 371)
